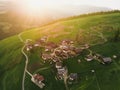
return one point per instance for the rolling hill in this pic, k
(90, 29)
(13, 22)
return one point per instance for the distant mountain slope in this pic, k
(14, 22)
(72, 10)
(85, 29)
(3, 7)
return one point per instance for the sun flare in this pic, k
(34, 5)
(31, 7)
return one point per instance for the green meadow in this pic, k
(82, 30)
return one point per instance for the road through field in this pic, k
(26, 62)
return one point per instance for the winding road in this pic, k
(26, 62)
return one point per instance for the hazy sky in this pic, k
(114, 4)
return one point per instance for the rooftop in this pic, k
(38, 77)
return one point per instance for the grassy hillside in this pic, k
(82, 30)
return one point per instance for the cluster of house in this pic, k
(55, 53)
(38, 80)
(62, 72)
(64, 50)
(39, 43)
(100, 58)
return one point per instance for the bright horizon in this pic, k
(113, 4)
(60, 8)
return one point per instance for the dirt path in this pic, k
(65, 79)
(65, 82)
(41, 69)
(26, 62)
(102, 37)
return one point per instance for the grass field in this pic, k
(82, 30)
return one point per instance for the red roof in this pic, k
(78, 50)
(47, 56)
(52, 45)
(58, 64)
(67, 41)
(38, 77)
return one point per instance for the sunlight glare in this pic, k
(34, 5)
(31, 8)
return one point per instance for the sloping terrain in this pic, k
(93, 30)
(12, 22)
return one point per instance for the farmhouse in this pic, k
(39, 43)
(37, 79)
(89, 58)
(64, 47)
(57, 52)
(29, 47)
(50, 46)
(58, 65)
(78, 50)
(61, 72)
(73, 76)
(64, 56)
(107, 60)
(67, 42)
(55, 59)
(36, 44)
(44, 39)
(46, 56)
(102, 59)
